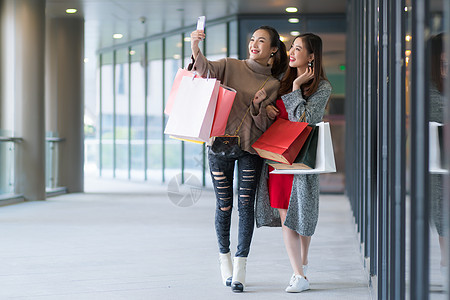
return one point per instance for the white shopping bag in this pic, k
(174, 90)
(193, 109)
(435, 155)
(324, 157)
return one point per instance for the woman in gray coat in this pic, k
(304, 91)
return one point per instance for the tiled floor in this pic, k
(122, 240)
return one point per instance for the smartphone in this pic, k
(201, 23)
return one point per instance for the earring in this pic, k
(310, 64)
(272, 54)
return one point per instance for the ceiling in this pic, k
(141, 18)
(137, 19)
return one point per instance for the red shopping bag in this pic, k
(225, 101)
(175, 86)
(282, 141)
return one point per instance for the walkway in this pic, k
(124, 240)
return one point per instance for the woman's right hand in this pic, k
(272, 111)
(303, 78)
(196, 37)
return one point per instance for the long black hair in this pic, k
(279, 59)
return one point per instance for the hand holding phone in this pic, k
(201, 23)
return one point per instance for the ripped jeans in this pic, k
(222, 171)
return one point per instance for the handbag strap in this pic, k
(303, 116)
(248, 109)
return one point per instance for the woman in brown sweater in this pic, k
(256, 82)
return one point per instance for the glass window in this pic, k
(122, 113)
(7, 159)
(92, 117)
(233, 27)
(216, 42)
(137, 93)
(172, 63)
(187, 48)
(107, 113)
(155, 110)
(193, 153)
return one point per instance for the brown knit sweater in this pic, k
(246, 77)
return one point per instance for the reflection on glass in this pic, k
(438, 257)
(122, 110)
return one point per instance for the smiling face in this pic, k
(299, 55)
(259, 47)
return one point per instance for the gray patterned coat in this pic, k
(303, 211)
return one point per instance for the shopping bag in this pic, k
(186, 140)
(192, 113)
(225, 100)
(306, 159)
(174, 90)
(436, 149)
(282, 141)
(224, 103)
(324, 156)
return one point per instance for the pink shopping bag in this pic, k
(225, 101)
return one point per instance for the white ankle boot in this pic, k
(226, 268)
(239, 269)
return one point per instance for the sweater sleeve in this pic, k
(260, 116)
(314, 106)
(202, 65)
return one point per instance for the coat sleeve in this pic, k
(202, 65)
(265, 215)
(314, 106)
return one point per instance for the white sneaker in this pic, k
(292, 279)
(305, 269)
(298, 284)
